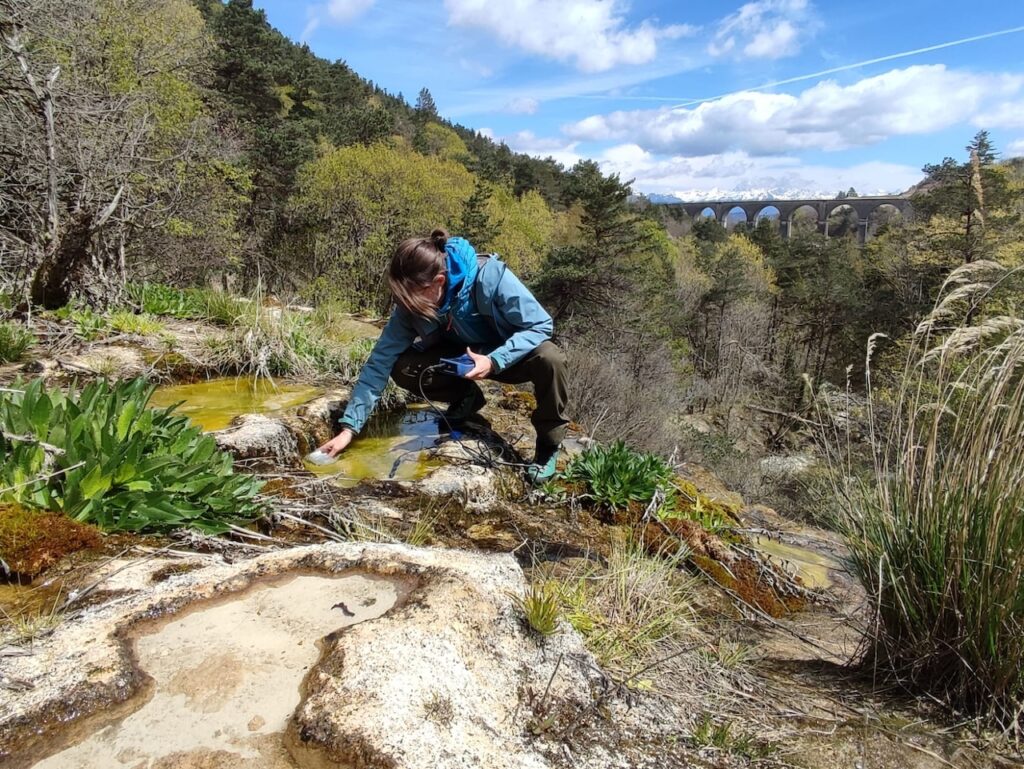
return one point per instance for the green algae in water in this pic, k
(811, 567)
(212, 404)
(387, 438)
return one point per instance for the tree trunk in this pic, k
(62, 267)
(77, 268)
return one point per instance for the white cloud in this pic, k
(476, 67)
(531, 144)
(1015, 149)
(827, 116)
(1009, 114)
(736, 174)
(764, 29)
(522, 105)
(344, 11)
(592, 34)
(721, 176)
(334, 11)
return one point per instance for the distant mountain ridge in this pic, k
(716, 194)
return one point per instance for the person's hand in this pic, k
(482, 368)
(338, 443)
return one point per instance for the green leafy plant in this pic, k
(101, 456)
(158, 299)
(708, 515)
(615, 475)
(89, 325)
(128, 322)
(541, 607)
(15, 341)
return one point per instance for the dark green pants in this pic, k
(545, 367)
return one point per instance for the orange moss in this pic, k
(33, 541)
(743, 578)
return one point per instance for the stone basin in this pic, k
(226, 676)
(423, 662)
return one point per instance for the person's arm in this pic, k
(514, 308)
(395, 339)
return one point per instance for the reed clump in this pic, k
(937, 535)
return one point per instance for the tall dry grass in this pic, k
(938, 538)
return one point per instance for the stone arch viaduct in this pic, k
(823, 208)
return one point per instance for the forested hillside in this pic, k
(196, 145)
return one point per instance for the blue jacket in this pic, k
(485, 307)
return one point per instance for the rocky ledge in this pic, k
(447, 674)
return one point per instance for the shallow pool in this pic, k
(213, 403)
(392, 445)
(813, 568)
(225, 677)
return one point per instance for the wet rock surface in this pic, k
(259, 437)
(190, 658)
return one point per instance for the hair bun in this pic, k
(439, 238)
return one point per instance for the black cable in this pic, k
(489, 461)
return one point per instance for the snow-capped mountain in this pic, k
(765, 193)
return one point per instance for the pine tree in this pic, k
(476, 225)
(426, 109)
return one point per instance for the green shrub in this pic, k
(15, 341)
(89, 325)
(615, 475)
(938, 538)
(102, 457)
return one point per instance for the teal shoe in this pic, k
(538, 473)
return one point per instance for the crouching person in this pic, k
(450, 302)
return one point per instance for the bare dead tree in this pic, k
(88, 161)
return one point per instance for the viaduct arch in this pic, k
(863, 207)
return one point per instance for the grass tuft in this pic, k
(127, 322)
(632, 609)
(937, 538)
(541, 606)
(15, 341)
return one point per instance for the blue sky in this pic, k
(680, 97)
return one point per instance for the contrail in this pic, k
(843, 68)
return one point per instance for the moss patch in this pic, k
(517, 401)
(744, 578)
(31, 542)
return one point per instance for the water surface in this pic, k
(213, 403)
(392, 445)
